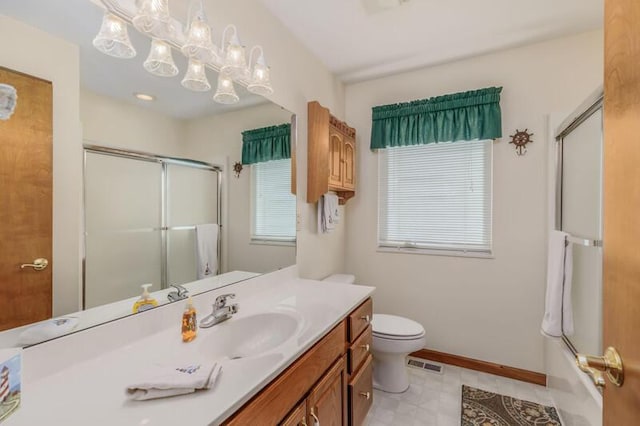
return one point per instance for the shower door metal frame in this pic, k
(164, 161)
(592, 104)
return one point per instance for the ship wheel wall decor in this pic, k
(520, 139)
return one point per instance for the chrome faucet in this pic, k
(179, 294)
(221, 311)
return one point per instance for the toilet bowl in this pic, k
(394, 338)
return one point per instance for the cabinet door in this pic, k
(349, 164)
(336, 140)
(327, 401)
(297, 417)
(361, 393)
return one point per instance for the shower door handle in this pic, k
(38, 264)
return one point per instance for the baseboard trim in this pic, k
(484, 366)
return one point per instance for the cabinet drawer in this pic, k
(359, 350)
(360, 319)
(361, 393)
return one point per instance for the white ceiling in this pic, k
(78, 21)
(361, 39)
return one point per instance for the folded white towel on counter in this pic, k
(558, 315)
(47, 330)
(165, 381)
(207, 249)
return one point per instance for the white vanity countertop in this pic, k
(92, 392)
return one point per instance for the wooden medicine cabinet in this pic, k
(331, 155)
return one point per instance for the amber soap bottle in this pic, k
(189, 323)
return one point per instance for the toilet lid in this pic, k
(391, 325)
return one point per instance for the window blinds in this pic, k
(436, 196)
(273, 206)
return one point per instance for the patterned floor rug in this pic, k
(483, 408)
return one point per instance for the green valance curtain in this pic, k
(458, 117)
(266, 144)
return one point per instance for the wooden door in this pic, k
(349, 163)
(327, 402)
(622, 206)
(26, 202)
(335, 159)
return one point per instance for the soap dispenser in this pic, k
(189, 323)
(145, 302)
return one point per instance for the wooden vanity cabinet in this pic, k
(326, 385)
(297, 417)
(327, 402)
(361, 392)
(331, 155)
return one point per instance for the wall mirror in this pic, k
(579, 213)
(155, 179)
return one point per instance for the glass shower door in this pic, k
(123, 219)
(192, 199)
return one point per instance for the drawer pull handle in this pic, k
(366, 395)
(365, 347)
(304, 423)
(316, 420)
(365, 318)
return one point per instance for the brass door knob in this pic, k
(610, 364)
(38, 264)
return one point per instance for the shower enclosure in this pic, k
(140, 212)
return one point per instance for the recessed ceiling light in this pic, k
(144, 97)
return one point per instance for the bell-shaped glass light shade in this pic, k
(260, 83)
(113, 38)
(198, 44)
(235, 62)
(160, 61)
(153, 18)
(196, 77)
(226, 93)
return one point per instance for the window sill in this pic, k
(259, 242)
(436, 252)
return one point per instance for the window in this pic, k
(273, 207)
(436, 196)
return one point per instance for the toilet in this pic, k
(394, 338)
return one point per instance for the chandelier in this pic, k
(152, 18)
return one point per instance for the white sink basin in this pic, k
(249, 336)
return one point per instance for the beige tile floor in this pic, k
(435, 399)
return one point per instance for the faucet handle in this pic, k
(221, 301)
(181, 290)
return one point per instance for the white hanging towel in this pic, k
(331, 203)
(558, 315)
(321, 223)
(328, 213)
(207, 249)
(171, 380)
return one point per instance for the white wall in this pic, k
(219, 138)
(297, 77)
(488, 309)
(114, 123)
(55, 60)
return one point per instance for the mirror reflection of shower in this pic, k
(141, 214)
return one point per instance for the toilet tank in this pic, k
(341, 278)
